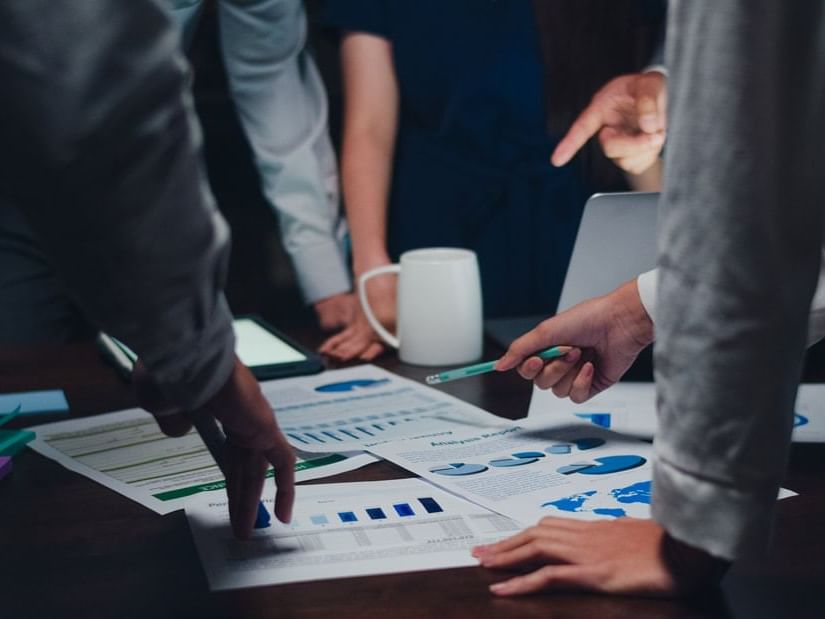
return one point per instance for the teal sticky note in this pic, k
(34, 402)
(12, 442)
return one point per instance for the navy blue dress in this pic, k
(472, 156)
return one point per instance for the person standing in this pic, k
(100, 157)
(742, 225)
(282, 104)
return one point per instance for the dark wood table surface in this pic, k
(72, 548)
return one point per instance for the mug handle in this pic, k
(388, 337)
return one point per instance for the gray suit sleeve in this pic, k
(741, 231)
(100, 151)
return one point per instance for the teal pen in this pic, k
(489, 366)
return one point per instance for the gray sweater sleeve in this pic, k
(741, 231)
(100, 151)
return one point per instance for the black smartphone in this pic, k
(267, 352)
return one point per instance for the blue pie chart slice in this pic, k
(559, 448)
(351, 385)
(512, 462)
(528, 454)
(588, 443)
(578, 467)
(799, 420)
(458, 469)
(612, 464)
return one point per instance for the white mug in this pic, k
(439, 306)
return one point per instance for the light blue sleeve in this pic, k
(282, 104)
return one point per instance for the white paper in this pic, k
(527, 473)
(630, 408)
(809, 418)
(353, 408)
(333, 535)
(127, 453)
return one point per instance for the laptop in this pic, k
(616, 242)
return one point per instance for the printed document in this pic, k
(127, 452)
(630, 408)
(527, 472)
(344, 530)
(353, 408)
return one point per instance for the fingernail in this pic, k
(499, 587)
(573, 355)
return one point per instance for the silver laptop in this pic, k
(616, 242)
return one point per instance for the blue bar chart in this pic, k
(404, 510)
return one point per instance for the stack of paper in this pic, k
(488, 477)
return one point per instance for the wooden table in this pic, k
(72, 548)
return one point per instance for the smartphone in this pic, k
(267, 352)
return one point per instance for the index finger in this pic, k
(583, 128)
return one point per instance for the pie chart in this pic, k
(588, 443)
(520, 458)
(351, 385)
(458, 469)
(604, 465)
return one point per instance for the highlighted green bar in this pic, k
(221, 484)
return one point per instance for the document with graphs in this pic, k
(349, 409)
(345, 530)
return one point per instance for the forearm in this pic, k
(106, 166)
(370, 128)
(738, 267)
(366, 179)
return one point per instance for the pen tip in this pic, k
(432, 380)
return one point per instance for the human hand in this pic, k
(628, 113)
(337, 311)
(253, 441)
(624, 556)
(608, 333)
(359, 340)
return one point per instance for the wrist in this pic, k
(369, 260)
(630, 314)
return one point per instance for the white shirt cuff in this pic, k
(321, 270)
(646, 285)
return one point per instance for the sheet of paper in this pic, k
(33, 402)
(353, 408)
(527, 472)
(630, 408)
(344, 530)
(126, 452)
